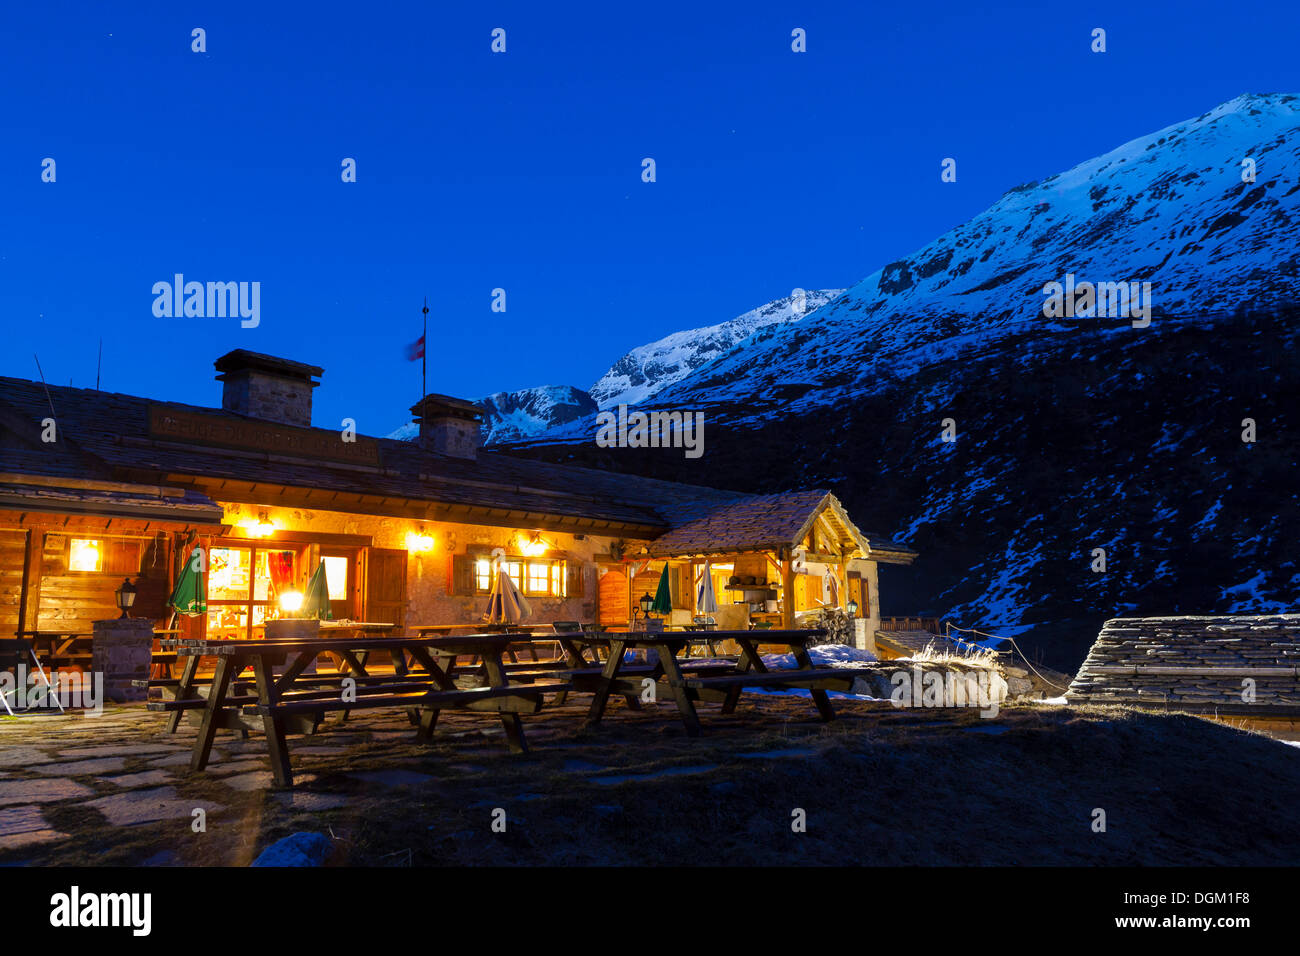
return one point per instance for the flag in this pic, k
(415, 350)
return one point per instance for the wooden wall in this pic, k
(73, 600)
(13, 545)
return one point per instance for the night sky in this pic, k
(522, 170)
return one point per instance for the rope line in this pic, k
(970, 630)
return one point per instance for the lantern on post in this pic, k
(646, 602)
(125, 595)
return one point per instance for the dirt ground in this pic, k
(877, 786)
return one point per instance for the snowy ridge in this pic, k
(509, 416)
(647, 369)
(1169, 208)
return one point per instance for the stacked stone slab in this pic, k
(1194, 663)
(121, 651)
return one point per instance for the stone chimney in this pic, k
(448, 426)
(266, 387)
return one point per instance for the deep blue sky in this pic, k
(522, 170)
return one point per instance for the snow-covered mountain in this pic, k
(510, 416)
(1170, 208)
(648, 369)
(1073, 434)
(528, 412)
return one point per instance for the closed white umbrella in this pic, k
(706, 600)
(506, 605)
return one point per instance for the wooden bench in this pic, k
(294, 702)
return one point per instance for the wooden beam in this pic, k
(29, 601)
(787, 593)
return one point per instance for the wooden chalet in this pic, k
(97, 487)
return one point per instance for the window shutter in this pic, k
(574, 570)
(679, 587)
(460, 576)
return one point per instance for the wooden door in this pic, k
(386, 586)
(612, 604)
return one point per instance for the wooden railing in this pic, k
(932, 624)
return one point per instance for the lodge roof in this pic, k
(116, 438)
(1194, 663)
(772, 523)
(108, 436)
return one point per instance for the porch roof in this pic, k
(777, 522)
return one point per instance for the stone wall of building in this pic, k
(429, 572)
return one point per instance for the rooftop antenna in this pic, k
(424, 353)
(99, 363)
(44, 386)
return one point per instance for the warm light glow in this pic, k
(418, 542)
(291, 601)
(84, 555)
(533, 545)
(261, 527)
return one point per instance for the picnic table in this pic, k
(56, 647)
(358, 627)
(449, 630)
(489, 649)
(724, 687)
(292, 702)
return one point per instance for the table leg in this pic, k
(820, 697)
(607, 675)
(428, 720)
(227, 666)
(272, 724)
(685, 706)
(513, 723)
(748, 661)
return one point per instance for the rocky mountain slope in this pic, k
(1072, 433)
(510, 416)
(521, 414)
(648, 369)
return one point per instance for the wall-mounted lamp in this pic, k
(125, 596)
(532, 545)
(260, 527)
(418, 543)
(853, 609)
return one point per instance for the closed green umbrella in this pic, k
(316, 602)
(664, 595)
(189, 596)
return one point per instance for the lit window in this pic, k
(85, 555)
(336, 577)
(534, 578)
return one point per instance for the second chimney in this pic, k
(266, 387)
(448, 426)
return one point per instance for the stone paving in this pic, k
(117, 788)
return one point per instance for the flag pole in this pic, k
(424, 352)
